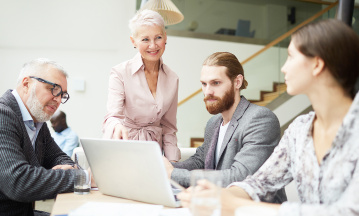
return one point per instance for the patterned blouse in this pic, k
(328, 188)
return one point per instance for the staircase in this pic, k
(269, 96)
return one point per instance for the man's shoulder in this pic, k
(256, 108)
(7, 103)
(5, 98)
(260, 111)
(252, 114)
(72, 133)
(10, 114)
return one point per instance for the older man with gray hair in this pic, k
(32, 166)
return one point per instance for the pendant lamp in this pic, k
(167, 9)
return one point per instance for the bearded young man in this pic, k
(32, 166)
(240, 137)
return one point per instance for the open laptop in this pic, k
(130, 169)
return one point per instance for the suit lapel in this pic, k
(233, 124)
(39, 146)
(27, 147)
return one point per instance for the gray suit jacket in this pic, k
(252, 135)
(25, 173)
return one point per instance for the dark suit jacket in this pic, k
(25, 173)
(252, 135)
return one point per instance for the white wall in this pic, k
(291, 108)
(88, 38)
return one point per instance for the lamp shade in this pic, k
(167, 9)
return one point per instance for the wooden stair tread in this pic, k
(274, 93)
(269, 96)
(281, 87)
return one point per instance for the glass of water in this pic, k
(82, 184)
(204, 201)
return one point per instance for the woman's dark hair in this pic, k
(337, 44)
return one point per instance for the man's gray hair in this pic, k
(38, 66)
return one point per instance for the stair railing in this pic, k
(271, 44)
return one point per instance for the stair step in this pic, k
(271, 96)
(281, 87)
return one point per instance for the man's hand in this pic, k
(120, 132)
(168, 166)
(62, 166)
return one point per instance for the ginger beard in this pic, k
(221, 104)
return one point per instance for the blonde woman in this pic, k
(143, 91)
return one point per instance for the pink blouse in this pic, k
(131, 103)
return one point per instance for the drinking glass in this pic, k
(206, 202)
(82, 183)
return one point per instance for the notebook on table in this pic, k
(130, 169)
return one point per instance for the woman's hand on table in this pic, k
(120, 132)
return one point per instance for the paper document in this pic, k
(115, 209)
(176, 212)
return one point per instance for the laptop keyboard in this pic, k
(175, 192)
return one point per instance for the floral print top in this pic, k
(328, 188)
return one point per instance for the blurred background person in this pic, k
(143, 91)
(64, 137)
(319, 150)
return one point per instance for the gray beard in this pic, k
(36, 108)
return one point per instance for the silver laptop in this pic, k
(130, 169)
